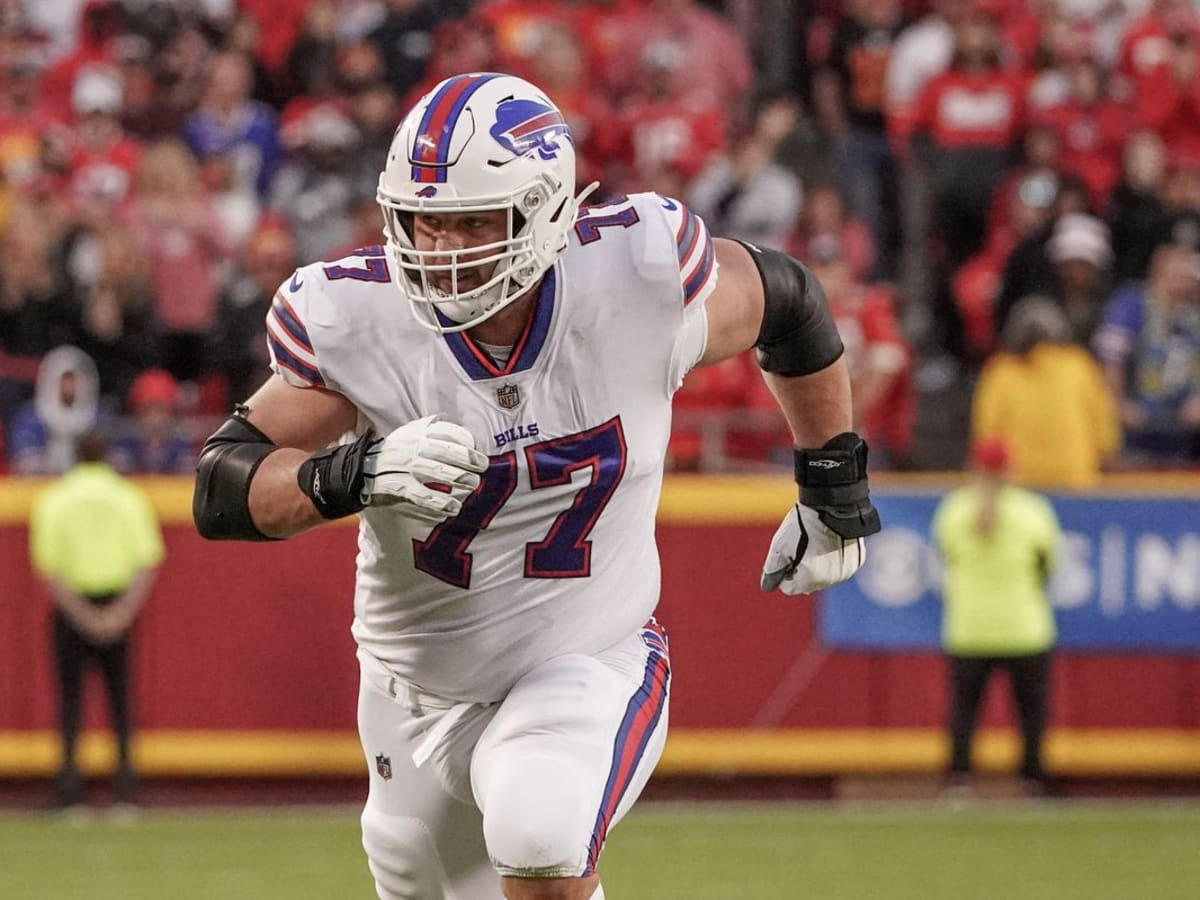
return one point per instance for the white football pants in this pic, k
(529, 786)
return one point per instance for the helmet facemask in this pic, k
(509, 267)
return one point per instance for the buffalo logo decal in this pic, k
(523, 126)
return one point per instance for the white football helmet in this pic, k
(476, 143)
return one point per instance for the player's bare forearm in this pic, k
(816, 406)
(277, 505)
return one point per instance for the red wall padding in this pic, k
(243, 636)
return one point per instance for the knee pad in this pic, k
(536, 820)
(403, 857)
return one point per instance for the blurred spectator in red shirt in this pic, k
(968, 120)
(849, 98)
(173, 219)
(748, 194)
(1147, 42)
(100, 21)
(822, 215)
(279, 22)
(101, 157)
(1168, 95)
(1137, 214)
(714, 418)
(559, 67)
(666, 135)
(711, 64)
(921, 52)
(1091, 129)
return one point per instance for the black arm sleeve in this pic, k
(798, 335)
(228, 461)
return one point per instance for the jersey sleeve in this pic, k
(694, 250)
(293, 356)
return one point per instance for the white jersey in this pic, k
(554, 552)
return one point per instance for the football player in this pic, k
(490, 391)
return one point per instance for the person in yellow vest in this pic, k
(998, 544)
(96, 543)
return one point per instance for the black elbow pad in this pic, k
(798, 335)
(228, 461)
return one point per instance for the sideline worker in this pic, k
(96, 543)
(998, 544)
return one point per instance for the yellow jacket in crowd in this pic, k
(1053, 409)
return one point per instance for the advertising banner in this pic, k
(1128, 577)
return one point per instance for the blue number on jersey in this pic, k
(565, 552)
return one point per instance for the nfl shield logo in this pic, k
(383, 765)
(508, 395)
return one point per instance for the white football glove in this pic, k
(401, 467)
(806, 555)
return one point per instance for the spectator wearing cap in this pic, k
(1149, 343)
(998, 544)
(102, 157)
(1081, 256)
(152, 440)
(1047, 397)
(1028, 269)
(315, 191)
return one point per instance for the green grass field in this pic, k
(664, 852)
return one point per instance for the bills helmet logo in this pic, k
(523, 126)
(508, 396)
(383, 765)
(429, 191)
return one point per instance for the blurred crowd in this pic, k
(1002, 197)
